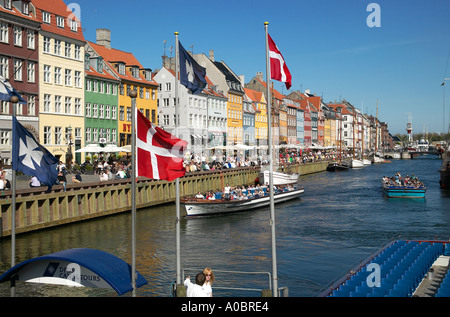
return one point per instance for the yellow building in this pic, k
(133, 76)
(234, 118)
(261, 126)
(61, 78)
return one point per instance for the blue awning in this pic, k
(96, 269)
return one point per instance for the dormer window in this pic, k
(135, 72)
(25, 8)
(60, 21)
(8, 4)
(121, 68)
(46, 17)
(100, 65)
(74, 25)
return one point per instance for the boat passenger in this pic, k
(199, 196)
(227, 191)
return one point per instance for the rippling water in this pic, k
(340, 220)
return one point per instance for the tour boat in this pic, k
(278, 178)
(203, 207)
(402, 268)
(401, 191)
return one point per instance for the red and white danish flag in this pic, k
(278, 68)
(159, 155)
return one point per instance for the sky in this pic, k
(328, 45)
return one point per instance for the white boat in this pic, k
(204, 207)
(354, 163)
(377, 159)
(278, 178)
(367, 162)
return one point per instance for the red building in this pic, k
(19, 59)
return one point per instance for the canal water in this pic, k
(341, 219)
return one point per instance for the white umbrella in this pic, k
(112, 148)
(91, 148)
(126, 149)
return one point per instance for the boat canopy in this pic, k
(77, 267)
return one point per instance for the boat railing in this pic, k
(229, 281)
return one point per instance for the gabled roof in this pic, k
(58, 8)
(115, 56)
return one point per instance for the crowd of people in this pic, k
(242, 192)
(399, 181)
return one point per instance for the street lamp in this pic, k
(69, 150)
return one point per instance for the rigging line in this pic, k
(448, 56)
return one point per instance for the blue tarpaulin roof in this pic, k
(113, 270)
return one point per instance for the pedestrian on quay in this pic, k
(209, 281)
(61, 180)
(197, 289)
(77, 178)
(34, 182)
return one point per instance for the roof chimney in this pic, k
(211, 55)
(259, 75)
(104, 37)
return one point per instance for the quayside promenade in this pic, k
(36, 209)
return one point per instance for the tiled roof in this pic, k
(113, 55)
(58, 8)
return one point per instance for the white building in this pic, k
(202, 118)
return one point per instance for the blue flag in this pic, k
(192, 75)
(7, 91)
(31, 158)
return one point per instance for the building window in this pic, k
(68, 77)
(31, 72)
(47, 103)
(47, 135)
(31, 39)
(77, 52)
(57, 47)
(95, 111)
(58, 135)
(8, 4)
(68, 49)
(58, 104)
(31, 105)
(4, 38)
(58, 75)
(68, 105)
(18, 70)
(78, 79)
(17, 36)
(60, 21)
(46, 47)
(46, 17)
(88, 110)
(113, 112)
(4, 67)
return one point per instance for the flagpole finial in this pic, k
(14, 99)
(133, 94)
(266, 23)
(176, 33)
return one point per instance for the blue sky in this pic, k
(327, 45)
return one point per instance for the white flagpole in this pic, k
(272, 204)
(133, 95)
(14, 100)
(177, 181)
